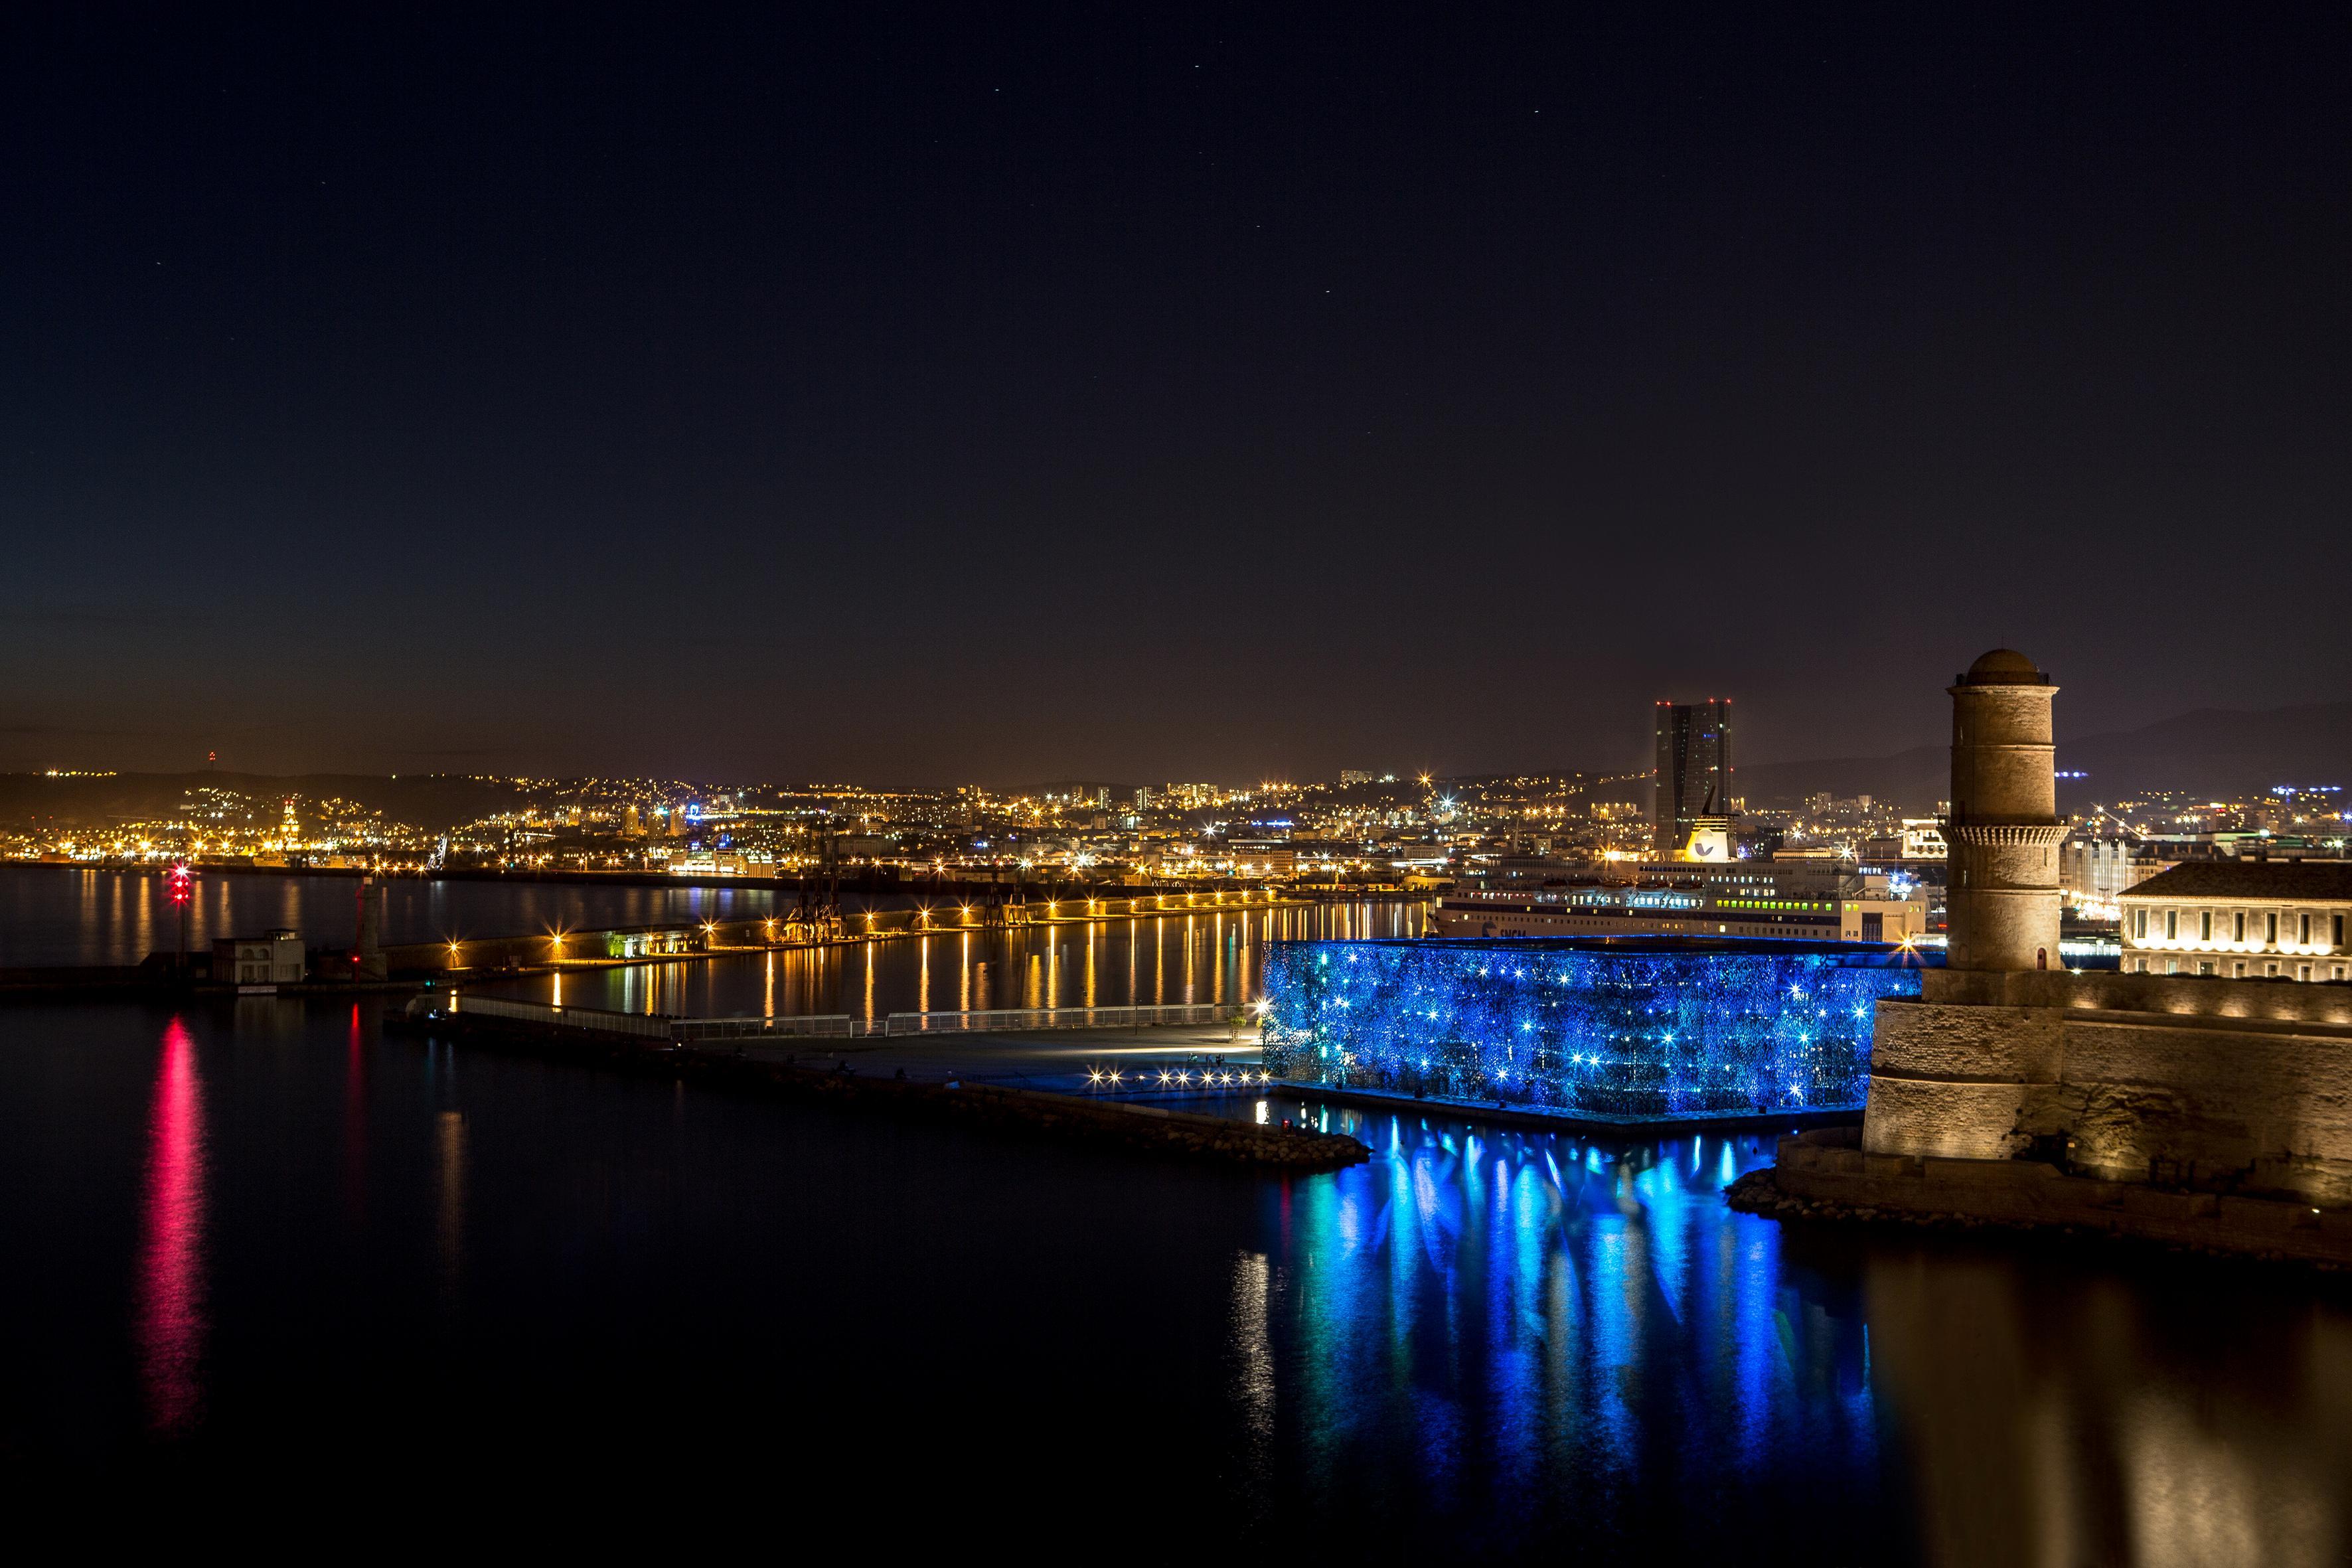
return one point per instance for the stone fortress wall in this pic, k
(2223, 1085)
(2010, 1082)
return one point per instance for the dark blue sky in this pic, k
(989, 394)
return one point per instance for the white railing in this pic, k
(649, 1025)
(654, 1025)
(796, 1026)
(999, 1020)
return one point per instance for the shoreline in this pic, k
(1824, 1175)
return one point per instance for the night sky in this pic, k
(978, 393)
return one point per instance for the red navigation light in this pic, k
(178, 882)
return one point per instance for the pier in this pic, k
(954, 1078)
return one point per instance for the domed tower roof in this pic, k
(2004, 667)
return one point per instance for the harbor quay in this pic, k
(1106, 1088)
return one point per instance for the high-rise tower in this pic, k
(2002, 872)
(1694, 770)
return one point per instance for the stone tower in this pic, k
(2001, 889)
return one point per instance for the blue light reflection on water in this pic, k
(1559, 1319)
(265, 1235)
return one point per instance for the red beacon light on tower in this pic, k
(179, 886)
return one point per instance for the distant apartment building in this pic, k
(1274, 859)
(1822, 803)
(1694, 771)
(2094, 873)
(274, 958)
(2240, 919)
(1354, 776)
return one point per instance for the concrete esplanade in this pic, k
(2191, 1110)
(2002, 889)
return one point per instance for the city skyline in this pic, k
(1517, 781)
(2212, 750)
(1015, 397)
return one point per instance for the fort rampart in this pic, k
(2190, 1109)
(2195, 1082)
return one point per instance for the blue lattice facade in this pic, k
(1616, 1029)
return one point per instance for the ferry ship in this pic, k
(1751, 898)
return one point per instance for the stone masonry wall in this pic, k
(2214, 1085)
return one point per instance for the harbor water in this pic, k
(264, 1257)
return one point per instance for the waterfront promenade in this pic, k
(550, 951)
(1121, 1092)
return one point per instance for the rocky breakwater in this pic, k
(1141, 1129)
(1826, 1175)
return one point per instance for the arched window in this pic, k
(2041, 958)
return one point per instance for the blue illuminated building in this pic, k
(1604, 1027)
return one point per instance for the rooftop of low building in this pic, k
(2320, 881)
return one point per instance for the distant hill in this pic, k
(1915, 780)
(2217, 752)
(430, 801)
(2220, 751)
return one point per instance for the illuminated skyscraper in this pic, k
(1694, 770)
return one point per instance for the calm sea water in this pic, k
(59, 915)
(1206, 955)
(65, 915)
(262, 1258)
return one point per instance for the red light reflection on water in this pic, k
(172, 1322)
(355, 1122)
